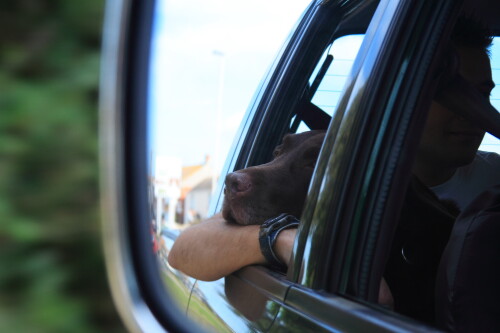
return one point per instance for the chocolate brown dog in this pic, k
(258, 193)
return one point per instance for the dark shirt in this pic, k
(420, 238)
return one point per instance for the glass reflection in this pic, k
(207, 59)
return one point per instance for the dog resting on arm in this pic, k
(216, 247)
(256, 194)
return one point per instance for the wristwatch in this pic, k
(268, 234)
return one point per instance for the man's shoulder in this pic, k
(472, 179)
(488, 157)
(485, 168)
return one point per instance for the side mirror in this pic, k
(140, 296)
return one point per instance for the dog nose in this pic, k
(238, 182)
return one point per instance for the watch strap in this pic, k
(269, 231)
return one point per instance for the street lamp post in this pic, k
(218, 117)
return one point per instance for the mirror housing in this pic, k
(133, 273)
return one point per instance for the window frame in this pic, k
(329, 235)
(412, 88)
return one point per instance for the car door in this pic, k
(334, 278)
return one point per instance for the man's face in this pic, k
(448, 139)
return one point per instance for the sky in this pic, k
(490, 143)
(208, 59)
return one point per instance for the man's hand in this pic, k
(284, 245)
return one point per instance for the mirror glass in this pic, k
(207, 60)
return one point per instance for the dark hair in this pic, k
(469, 32)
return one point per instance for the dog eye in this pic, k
(277, 151)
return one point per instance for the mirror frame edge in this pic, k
(133, 273)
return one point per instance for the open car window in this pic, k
(343, 52)
(329, 77)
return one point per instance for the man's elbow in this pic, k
(180, 262)
(176, 258)
(173, 259)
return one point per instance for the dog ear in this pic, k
(310, 157)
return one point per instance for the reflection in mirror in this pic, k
(207, 59)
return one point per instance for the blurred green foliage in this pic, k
(52, 276)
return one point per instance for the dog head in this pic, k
(258, 193)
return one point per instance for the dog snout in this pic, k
(238, 182)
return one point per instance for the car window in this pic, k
(491, 143)
(344, 51)
(338, 60)
(424, 246)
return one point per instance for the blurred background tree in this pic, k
(52, 276)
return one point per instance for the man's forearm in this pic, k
(214, 248)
